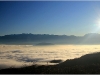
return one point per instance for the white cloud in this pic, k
(21, 54)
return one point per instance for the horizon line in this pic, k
(48, 34)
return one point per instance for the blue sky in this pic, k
(49, 17)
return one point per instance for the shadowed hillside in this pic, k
(87, 64)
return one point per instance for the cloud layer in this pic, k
(17, 55)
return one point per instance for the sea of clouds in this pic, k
(21, 55)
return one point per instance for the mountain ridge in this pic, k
(90, 38)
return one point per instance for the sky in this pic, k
(49, 17)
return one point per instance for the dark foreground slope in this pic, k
(87, 64)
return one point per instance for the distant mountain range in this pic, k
(91, 38)
(44, 43)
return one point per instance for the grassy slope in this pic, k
(87, 64)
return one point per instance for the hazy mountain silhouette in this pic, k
(91, 38)
(44, 43)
